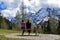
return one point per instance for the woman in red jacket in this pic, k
(23, 25)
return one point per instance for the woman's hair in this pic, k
(22, 20)
(28, 21)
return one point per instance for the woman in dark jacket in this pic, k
(28, 26)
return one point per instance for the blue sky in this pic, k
(10, 7)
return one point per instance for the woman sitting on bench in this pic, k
(23, 26)
(28, 26)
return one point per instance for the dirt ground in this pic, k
(33, 36)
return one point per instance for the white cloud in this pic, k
(7, 0)
(11, 3)
(35, 5)
(54, 2)
(11, 7)
(9, 13)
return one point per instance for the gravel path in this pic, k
(34, 37)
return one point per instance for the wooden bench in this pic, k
(32, 29)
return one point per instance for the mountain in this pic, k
(40, 15)
(44, 13)
(11, 19)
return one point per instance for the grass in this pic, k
(5, 31)
(4, 38)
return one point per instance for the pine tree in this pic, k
(58, 29)
(48, 27)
